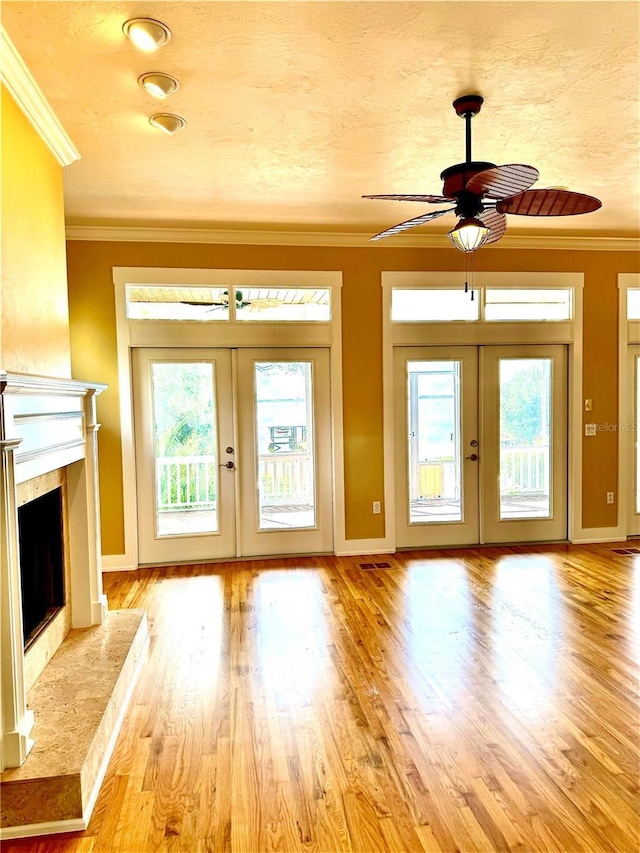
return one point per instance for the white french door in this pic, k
(233, 453)
(284, 426)
(481, 444)
(633, 520)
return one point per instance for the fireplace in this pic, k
(76, 676)
(41, 535)
(51, 579)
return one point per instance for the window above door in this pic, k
(214, 304)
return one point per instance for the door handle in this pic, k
(228, 464)
(473, 457)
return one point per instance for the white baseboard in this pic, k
(354, 547)
(593, 535)
(52, 827)
(117, 563)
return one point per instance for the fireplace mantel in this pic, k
(45, 424)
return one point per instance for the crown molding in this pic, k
(25, 91)
(136, 234)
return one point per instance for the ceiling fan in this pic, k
(241, 302)
(482, 193)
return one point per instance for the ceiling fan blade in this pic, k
(549, 203)
(496, 221)
(430, 199)
(410, 223)
(503, 181)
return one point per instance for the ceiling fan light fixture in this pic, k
(158, 84)
(146, 34)
(469, 234)
(167, 122)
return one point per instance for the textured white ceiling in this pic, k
(296, 109)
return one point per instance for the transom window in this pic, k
(214, 304)
(512, 304)
(633, 303)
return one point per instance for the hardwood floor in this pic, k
(471, 700)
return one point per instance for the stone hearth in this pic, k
(57, 734)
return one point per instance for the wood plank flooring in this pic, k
(472, 700)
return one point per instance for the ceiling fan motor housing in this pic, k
(456, 177)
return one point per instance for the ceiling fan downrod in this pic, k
(467, 107)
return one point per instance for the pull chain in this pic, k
(466, 272)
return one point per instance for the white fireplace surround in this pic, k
(45, 424)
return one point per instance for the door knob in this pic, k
(473, 457)
(228, 464)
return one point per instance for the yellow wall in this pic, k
(34, 329)
(93, 338)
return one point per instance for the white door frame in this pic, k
(254, 541)
(203, 544)
(490, 333)
(465, 531)
(493, 528)
(142, 333)
(629, 333)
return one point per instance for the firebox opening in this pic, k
(41, 563)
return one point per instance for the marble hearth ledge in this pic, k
(79, 702)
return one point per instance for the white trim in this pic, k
(574, 416)
(27, 94)
(52, 827)
(599, 534)
(129, 489)
(453, 278)
(480, 333)
(157, 234)
(337, 420)
(132, 333)
(625, 404)
(357, 547)
(388, 416)
(117, 563)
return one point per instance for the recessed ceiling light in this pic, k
(167, 122)
(158, 84)
(146, 34)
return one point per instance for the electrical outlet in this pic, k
(589, 429)
(376, 508)
(610, 497)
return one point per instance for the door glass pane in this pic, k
(285, 445)
(185, 447)
(433, 398)
(525, 437)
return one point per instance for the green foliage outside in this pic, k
(524, 403)
(184, 422)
